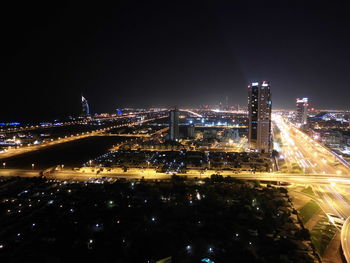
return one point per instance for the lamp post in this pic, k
(4, 165)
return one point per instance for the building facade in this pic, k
(174, 125)
(85, 106)
(301, 114)
(259, 111)
(190, 131)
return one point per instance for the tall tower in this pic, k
(174, 125)
(85, 106)
(302, 105)
(259, 111)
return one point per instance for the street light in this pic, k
(32, 165)
(4, 165)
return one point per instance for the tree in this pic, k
(303, 233)
(217, 178)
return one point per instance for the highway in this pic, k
(299, 148)
(334, 197)
(30, 148)
(317, 167)
(36, 127)
(329, 189)
(332, 191)
(223, 126)
(191, 112)
(24, 149)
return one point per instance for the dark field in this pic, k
(71, 154)
(144, 221)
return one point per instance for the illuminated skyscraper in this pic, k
(259, 111)
(85, 106)
(301, 116)
(174, 125)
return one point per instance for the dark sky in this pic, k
(166, 53)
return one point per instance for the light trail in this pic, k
(192, 112)
(298, 147)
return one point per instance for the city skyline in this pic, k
(207, 53)
(164, 132)
(83, 108)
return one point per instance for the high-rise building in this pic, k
(301, 114)
(174, 125)
(85, 106)
(259, 111)
(190, 131)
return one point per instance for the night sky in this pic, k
(166, 53)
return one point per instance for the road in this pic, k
(330, 189)
(30, 148)
(299, 148)
(329, 178)
(144, 135)
(345, 239)
(36, 127)
(334, 197)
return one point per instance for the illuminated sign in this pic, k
(303, 100)
(255, 83)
